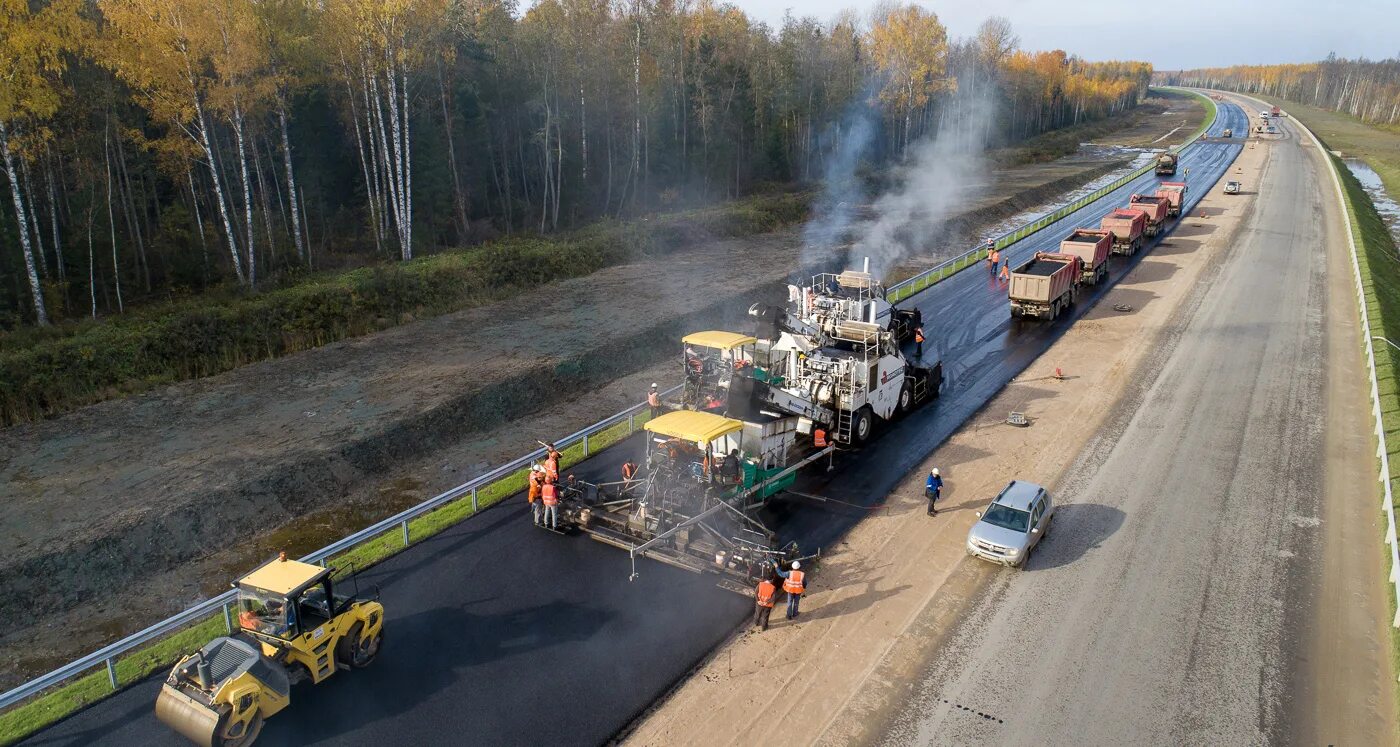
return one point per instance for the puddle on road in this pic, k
(1386, 205)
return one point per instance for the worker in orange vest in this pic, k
(819, 438)
(795, 584)
(918, 342)
(551, 467)
(1005, 273)
(991, 261)
(535, 479)
(654, 401)
(549, 495)
(629, 471)
(764, 597)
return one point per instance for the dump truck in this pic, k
(293, 626)
(1092, 247)
(1166, 164)
(1045, 286)
(1275, 112)
(1127, 227)
(1175, 195)
(1156, 210)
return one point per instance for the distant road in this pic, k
(500, 633)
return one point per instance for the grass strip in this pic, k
(1380, 284)
(25, 719)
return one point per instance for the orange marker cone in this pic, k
(1058, 373)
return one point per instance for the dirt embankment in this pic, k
(125, 511)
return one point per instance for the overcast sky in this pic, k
(1180, 34)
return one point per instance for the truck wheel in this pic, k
(906, 399)
(356, 650)
(861, 423)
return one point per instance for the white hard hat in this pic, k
(935, 472)
(535, 467)
(796, 564)
(653, 385)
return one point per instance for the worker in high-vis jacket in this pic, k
(794, 583)
(764, 597)
(549, 496)
(536, 481)
(654, 401)
(918, 342)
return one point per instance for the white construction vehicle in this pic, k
(827, 359)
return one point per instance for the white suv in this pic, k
(1015, 522)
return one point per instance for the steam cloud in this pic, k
(940, 176)
(842, 192)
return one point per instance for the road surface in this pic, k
(1214, 574)
(500, 633)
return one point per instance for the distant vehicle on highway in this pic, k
(1263, 113)
(1228, 133)
(1015, 522)
(1232, 187)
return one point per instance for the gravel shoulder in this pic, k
(1202, 450)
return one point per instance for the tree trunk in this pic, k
(42, 258)
(112, 219)
(219, 191)
(41, 314)
(53, 222)
(371, 190)
(459, 198)
(262, 195)
(92, 270)
(247, 195)
(132, 216)
(291, 178)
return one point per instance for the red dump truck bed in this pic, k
(1175, 194)
(1092, 247)
(1156, 210)
(1127, 226)
(1045, 285)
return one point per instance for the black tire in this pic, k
(906, 399)
(357, 652)
(246, 738)
(862, 423)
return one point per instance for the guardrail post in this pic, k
(585, 444)
(112, 672)
(228, 619)
(631, 423)
(474, 509)
(405, 532)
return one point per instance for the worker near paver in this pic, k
(629, 471)
(654, 401)
(551, 466)
(794, 583)
(933, 490)
(552, 453)
(992, 260)
(549, 496)
(918, 342)
(1005, 274)
(536, 479)
(763, 599)
(730, 470)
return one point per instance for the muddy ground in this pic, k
(126, 511)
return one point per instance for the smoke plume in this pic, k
(842, 191)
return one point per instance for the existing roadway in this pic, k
(501, 633)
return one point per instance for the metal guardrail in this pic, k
(909, 286)
(109, 654)
(1382, 452)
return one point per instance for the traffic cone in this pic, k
(1059, 375)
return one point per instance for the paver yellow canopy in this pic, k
(292, 626)
(717, 340)
(699, 428)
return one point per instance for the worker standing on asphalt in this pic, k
(629, 471)
(764, 597)
(933, 490)
(794, 583)
(654, 401)
(918, 342)
(551, 465)
(1005, 274)
(536, 479)
(549, 494)
(992, 259)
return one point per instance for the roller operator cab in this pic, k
(292, 627)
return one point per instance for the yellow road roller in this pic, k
(293, 627)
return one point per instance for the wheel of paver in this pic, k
(357, 650)
(246, 731)
(861, 423)
(906, 398)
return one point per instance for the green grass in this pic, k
(1380, 282)
(921, 284)
(25, 719)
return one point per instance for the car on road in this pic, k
(1232, 187)
(1228, 133)
(1013, 524)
